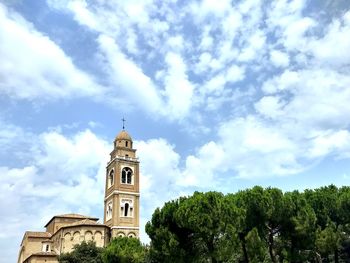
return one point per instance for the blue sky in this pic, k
(218, 95)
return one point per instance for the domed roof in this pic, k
(123, 135)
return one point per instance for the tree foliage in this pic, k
(254, 225)
(86, 252)
(124, 250)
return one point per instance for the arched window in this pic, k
(126, 175)
(126, 143)
(111, 178)
(126, 208)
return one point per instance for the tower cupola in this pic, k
(123, 139)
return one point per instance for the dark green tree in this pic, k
(298, 228)
(86, 252)
(254, 225)
(208, 216)
(169, 241)
(255, 204)
(124, 250)
(274, 220)
(194, 229)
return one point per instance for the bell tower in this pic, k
(122, 194)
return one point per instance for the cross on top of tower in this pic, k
(123, 120)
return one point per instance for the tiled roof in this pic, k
(44, 254)
(85, 222)
(37, 234)
(41, 254)
(71, 216)
(74, 216)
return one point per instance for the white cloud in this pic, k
(215, 85)
(159, 171)
(82, 14)
(333, 48)
(206, 39)
(270, 106)
(256, 148)
(210, 7)
(317, 99)
(203, 169)
(63, 172)
(33, 66)
(176, 42)
(178, 89)
(294, 33)
(129, 77)
(254, 48)
(203, 63)
(286, 81)
(331, 142)
(235, 73)
(246, 148)
(71, 158)
(279, 58)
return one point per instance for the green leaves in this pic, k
(124, 250)
(86, 252)
(254, 225)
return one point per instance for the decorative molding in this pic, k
(124, 158)
(125, 227)
(115, 192)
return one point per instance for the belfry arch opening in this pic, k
(127, 175)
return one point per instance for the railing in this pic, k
(126, 158)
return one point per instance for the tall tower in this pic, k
(122, 194)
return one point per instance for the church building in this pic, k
(121, 212)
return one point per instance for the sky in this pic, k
(217, 96)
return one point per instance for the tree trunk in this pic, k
(272, 255)
(336, 256)
(318, 257)
(244, 248)
(292, 252)
(211, 250)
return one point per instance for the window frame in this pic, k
(130, 211)
(126, 176)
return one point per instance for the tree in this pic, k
(124, 250)
(86, 252)
(209, 218)
(327, 240)
(274, 221)
(254, 225)
(194, 229)
(298, 228)
(256, 247)
(169, 242)
(254, 204)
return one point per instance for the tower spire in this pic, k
(123, 120)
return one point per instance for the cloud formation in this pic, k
(34, 67)
(261, 88)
